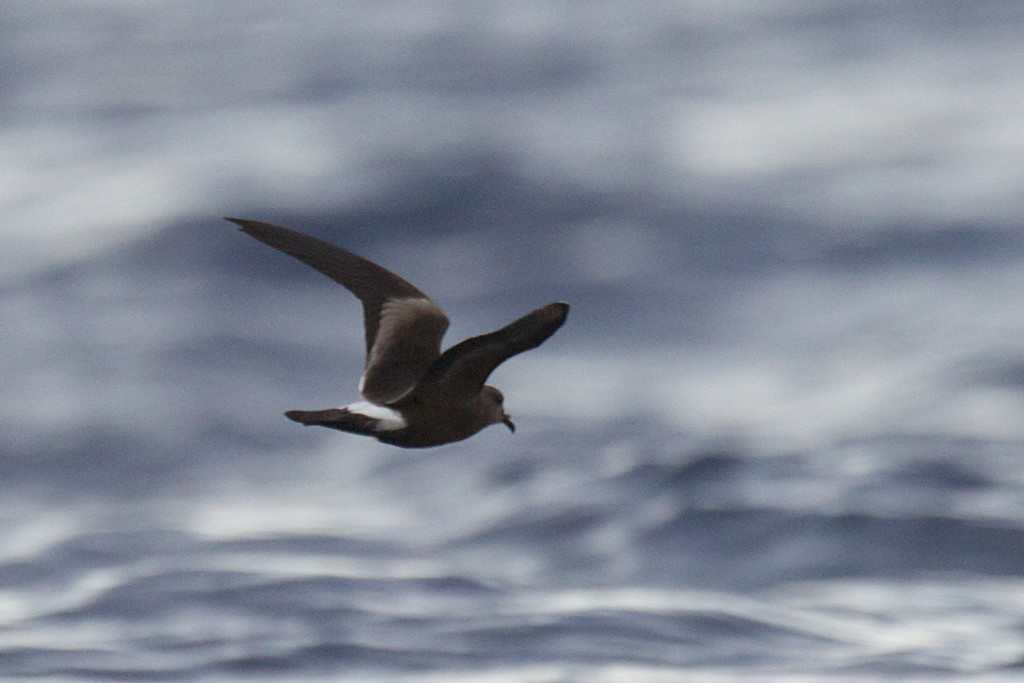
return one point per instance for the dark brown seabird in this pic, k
(416, 395)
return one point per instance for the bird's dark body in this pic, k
(429, 426)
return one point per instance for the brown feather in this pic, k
(463, 369)
(403, 326)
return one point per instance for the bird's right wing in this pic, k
(403, 326)
(463, 369)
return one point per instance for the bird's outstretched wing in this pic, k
(403, 325)
(463, 369)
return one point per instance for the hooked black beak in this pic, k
(508, 422)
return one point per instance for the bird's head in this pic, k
(494, 400)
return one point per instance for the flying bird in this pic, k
(415, 395)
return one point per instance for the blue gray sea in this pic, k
(780, 437)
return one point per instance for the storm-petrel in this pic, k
(415, 395)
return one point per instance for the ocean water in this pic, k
(780, 437)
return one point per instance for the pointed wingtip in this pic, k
(257, 229)
(559, 310)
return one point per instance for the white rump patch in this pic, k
(390, 419)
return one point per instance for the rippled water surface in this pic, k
(778, 439)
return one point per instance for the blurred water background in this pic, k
(781, 437)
